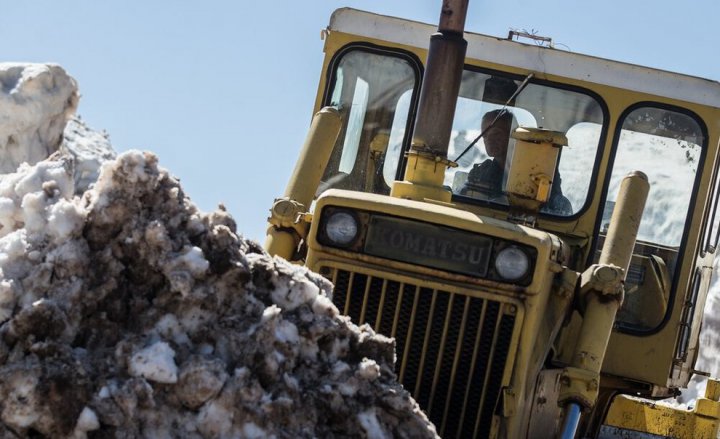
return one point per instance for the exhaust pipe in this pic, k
(427, 158)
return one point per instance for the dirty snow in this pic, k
(155, 363)
(127, 312)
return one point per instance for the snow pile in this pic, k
(126, 312)
(36, 100)
(129, 311)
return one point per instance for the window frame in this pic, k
(598, 154)
(709, 239)
(413, 61)
(682, 248)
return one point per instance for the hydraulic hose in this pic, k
(572, 419)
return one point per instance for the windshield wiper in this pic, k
(502, 111)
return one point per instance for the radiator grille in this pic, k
(451, 348)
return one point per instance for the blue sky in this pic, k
(223, 91)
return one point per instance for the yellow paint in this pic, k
(533, 165)
(286, 228)
(641, 415)
(423, 179)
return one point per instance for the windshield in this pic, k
(373, 93)
(490, 108)
(666, 145)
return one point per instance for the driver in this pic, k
(487, 177)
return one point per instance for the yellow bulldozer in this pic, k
(535, 228)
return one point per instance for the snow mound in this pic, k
(36, 100)
(127, 312)
(89, 150)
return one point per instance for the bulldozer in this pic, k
(535, 228)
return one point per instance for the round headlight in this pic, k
(341, 228)
(512, 263)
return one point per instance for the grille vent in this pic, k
(451, 348)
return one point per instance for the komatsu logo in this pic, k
(428, 244)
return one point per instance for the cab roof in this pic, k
(535, 58)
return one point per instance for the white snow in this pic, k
(371, 425)
(36, 100)
(215, 420)
(193, 260)
(104, 392)
(7, 300)
(251, 431)
(7, 210)
(324, 305)
(170, 329)
(66, 218)
(12, 247)
(368, 369)
(287, 332)
(155, 363)
(89, 150)
(88, 421)
(295, 291)
(183, 269)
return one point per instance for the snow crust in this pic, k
(161, 321)
(89, 150)
(36, 100)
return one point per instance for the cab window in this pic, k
(666, 145)
(373, 90)
(490, 107)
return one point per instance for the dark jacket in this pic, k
(486, 177)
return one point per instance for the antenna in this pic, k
(532, 35)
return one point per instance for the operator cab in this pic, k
(376, 90)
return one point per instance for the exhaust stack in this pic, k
(427, 158)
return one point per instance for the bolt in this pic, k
(593, 384)
(605, 273)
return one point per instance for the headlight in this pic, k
(341, 228)
(512, 263)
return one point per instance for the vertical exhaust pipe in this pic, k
(427, 158)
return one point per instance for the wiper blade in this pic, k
(502, 111)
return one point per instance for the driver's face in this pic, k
(497, 137)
